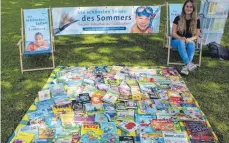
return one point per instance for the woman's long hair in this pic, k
(182, 22)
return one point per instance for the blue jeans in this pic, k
(186, 50)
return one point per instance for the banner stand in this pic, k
(21, 46)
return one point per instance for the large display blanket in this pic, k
(114, 104)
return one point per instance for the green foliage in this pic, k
(209, 84)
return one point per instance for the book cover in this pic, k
(151, 138)
(67, 119)
(23, 137)
(33, 129)
(110, 97)
(163, 114)
(131, 104)
(88, 107)
(128, 126)
(108, 127)
(175, 137)
(110, 138)
(72, 92)
(120, 106)
(77, 106)
(84, 98)
(96, 97)
(92, 128)
(46, 133)
(198, 131)
(109, 107)
(38, 121)
(57, 89)
(100, 117)
(125, 115)
(126, 139)
(162, 124)
(144, 122)
(82, 117)
(44, 95)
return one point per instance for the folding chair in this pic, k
(174, 10)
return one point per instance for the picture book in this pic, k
(82, 117)
(98, 107)
(92, 128)
(84, 98)
(90, 90)
(57, 89)
(162, 124)
(102, 86)
(35, 114)
(38, 121)
(110, 97)
(88, 107)
(67, 119)
(23, 137)
(100, 117)
(72, 92)
(112, 116)
(163, 114)
(126, 139)
(61, 100)
(151, 138)
(77, 106)
(128, 126)
(30, 129)
(61, 109)
(110, 138)
(46, 133)
(108, 127)
(198, 131)
(52, 121)
(116, 68)
(45, 104)
(91, 137)
(64, 139)
(109, 107)
(124, 89)
(175, 137)
(87, 81)
(44, 95)
(144, 122)
(96, 97)
(131, 104)
(163, 94)
(174, 95)
(120, 106)
(125, 115)
(99, 78)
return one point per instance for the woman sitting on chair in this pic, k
(185, 30)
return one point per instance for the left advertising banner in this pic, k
(37, 31)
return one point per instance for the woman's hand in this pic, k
(183, 39)
(187, 40)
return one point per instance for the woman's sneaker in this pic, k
(184, 70)
(191, 66)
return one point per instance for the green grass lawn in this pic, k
(209, 85)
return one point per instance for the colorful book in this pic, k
(126, 139)
(101, 117)
(108, 127)
(84, 98)
(151, 138)
(110, 97)
(131, 104)
(23, 137)
(110, 138)
(125, 115)
(162, 124)
(128, 126)
(175, 137)
(44, 95)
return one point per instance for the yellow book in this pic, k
(23, 137)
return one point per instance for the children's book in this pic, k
(144, 122)
(131, 104)
(45, 104)
(91, 137)
(62, 109)
(23, 137)
(88, 82)
(108, 127)
(126, 139)
(100, 117)
(67, 119)
(163, 114)
(125, 115)
(112, 116)
(46, 133)
(109, 107)
(110, 138)
(82, 117)
(162, 124)
(96, 97)
(36, 114)
(102, 86)
(198, 131)
(110, 97)
(163, 94)
(52, 121)
(174, 95)
(72, 92)
(38, 121)
(120, 106)
(89, 89)
(44, 95)
(84, 98)
(128, 126)
(175, 137)
(151, 138)
(61, 100)
(92, 128)
(57, 89)
(88, 107)
(30, 129)
(77, 106)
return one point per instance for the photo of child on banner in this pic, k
(144, 19)
(38, 44)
